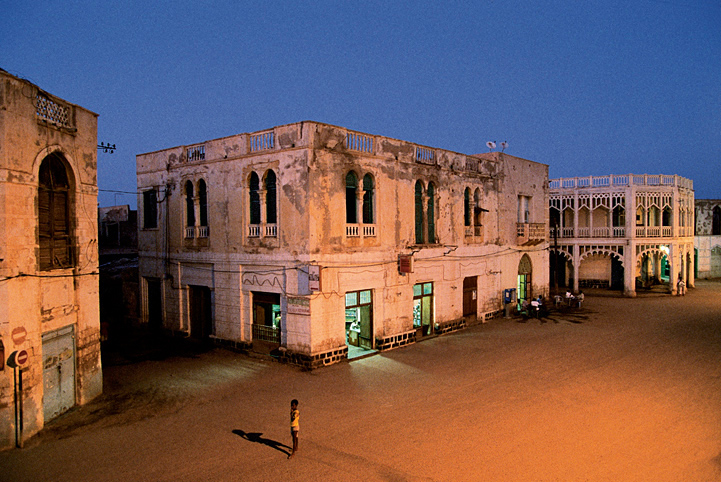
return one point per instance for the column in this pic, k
(576, 266)
(691, 268)
(673, 269)
(629, 270)
(263, 214)
(359, 203)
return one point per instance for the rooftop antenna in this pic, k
(504, 144)
(491, 145)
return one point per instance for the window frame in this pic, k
(55, 198)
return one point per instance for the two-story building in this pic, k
(621, 231)
(49, 318)
(708, 238)
(320, 243)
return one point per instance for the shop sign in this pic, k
(298, 305)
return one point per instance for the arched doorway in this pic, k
(525, 287)
(653, 269)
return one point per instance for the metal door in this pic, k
(58, 372)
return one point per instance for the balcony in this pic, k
(530, 233)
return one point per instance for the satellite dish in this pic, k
(491, 145)
(504, 145)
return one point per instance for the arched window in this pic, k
(640, 216)
(54, 214)
(203, 202)
(666, 217)
(189, 205)
(419, 213)
(467, 207)
(716, 221)
(431, 213)
(351, 203)
(253, 188)
(619, 216)
(368, 199)
(271, 216)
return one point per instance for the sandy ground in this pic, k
(622, 390)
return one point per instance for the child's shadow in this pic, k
(257, 437)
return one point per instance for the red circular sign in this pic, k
(22, 357)
(18, 335)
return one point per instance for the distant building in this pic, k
(119, 295)
(319, 243)
(48, 258)
(708, 238)
(624, 232)
(118, 234)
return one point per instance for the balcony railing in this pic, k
(352, 231)
(355, 230)
(267, 230)
(189, 232)
(530, 232)
(262, 141)
(203, 231)
(621, 180)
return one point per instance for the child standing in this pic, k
(294, 425)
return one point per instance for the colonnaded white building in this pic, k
(318, 243)
(708, 238)
(626, 232)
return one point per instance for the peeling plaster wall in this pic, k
(34, 302)
(311, 161)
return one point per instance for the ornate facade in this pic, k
(621, 231)
(317, 243)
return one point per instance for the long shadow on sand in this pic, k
(258, 438)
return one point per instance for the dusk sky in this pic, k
(591, 87)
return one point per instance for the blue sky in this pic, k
(590, 88)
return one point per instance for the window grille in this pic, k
(49, 110)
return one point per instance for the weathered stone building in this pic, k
(708, 238)
(49, 321)
(320, 243)
(621, 231)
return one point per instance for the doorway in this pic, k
(470, 298)
(524, 288)
(58, 372)
(359, 322)
(155, 305)
(266, 319)
(201, 313)
(423, 308)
